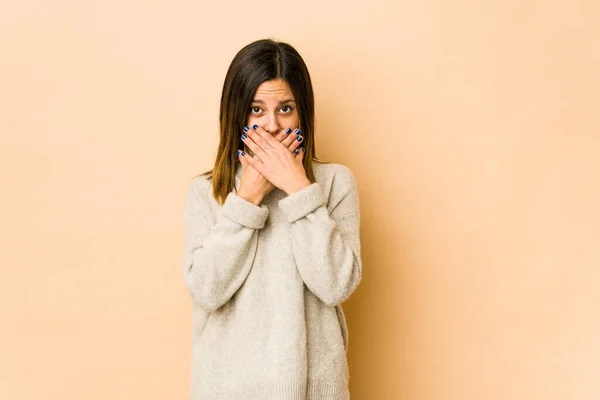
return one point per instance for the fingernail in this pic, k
(288, 130)
(255, 127)
(243, 153)
(303, 149)
(296, 151)
(244, 136)
(299, 138)
(246, 129)
(237, 152)
(297, 131)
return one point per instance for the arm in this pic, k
(326, 244)
(217, 257)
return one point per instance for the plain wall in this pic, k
(472, 130)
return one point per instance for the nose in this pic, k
(271, 124)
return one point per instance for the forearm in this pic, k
(219, 256)
(329, 262)
(326, 245)
(219, 265)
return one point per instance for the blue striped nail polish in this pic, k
(246, 129)
(288, 130)
(255, 127)
(237, 152)
(296, 151)
(243, 153)
(297, 131)
(299, 138)
(244, 136)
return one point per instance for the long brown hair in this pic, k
(259, 61)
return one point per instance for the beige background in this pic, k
(471, 127)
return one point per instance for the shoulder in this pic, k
(339, 189)
(338, 184)
(200, 185)
(197, 194)
(336, 174)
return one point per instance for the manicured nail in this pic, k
(255, 127)
(237, 152)
(244, 136)
(246, 129)
(243, 153)
(303, 149)
(299, 138)
(297, 131)
(288, 130)
(296, 151)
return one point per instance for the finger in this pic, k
(291, 139)
(252, 161)
(287, 138)
(256, 149)
(299, 153)
(242, 158)
(281, 136)
(263, 138)
(297, 141)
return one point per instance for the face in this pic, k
(273, 107)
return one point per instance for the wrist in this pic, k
(251, 198)
(297, 186)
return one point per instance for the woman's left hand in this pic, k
(275, 162)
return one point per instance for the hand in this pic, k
(273, 161)
(254, 186)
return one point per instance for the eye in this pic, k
(288, 107)
(255, 107)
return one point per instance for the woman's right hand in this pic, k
(253, 185)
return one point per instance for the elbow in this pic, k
(206, 301)
(206, 305)
(333, 299)
(201, 295)
(343, 290)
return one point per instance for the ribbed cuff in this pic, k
(302, 202)
(243, 212)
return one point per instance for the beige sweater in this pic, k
(267, 283)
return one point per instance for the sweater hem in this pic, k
(314, 389)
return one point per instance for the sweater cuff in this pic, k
(302, 202)
(243, 212)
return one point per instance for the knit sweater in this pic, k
(266, 284)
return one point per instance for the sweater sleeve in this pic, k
(326, 244)
(218, 256)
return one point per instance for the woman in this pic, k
(272, 243)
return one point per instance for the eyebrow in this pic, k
(280, 103)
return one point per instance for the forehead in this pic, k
(276, 89)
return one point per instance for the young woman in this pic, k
(272, 243)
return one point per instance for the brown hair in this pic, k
(259, 61)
